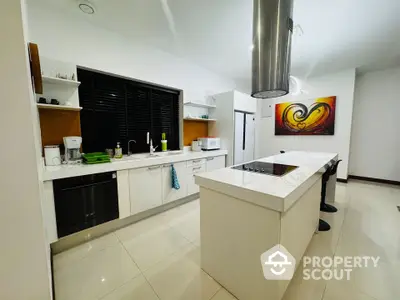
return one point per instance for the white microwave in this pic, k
(210, 143)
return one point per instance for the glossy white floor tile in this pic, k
(223, 294)
(149, 249)
(159, 258)
(81, 251)
(137, 288)
(180, 277)
(95, 275)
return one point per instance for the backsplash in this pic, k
(193, 130)
(56, 124)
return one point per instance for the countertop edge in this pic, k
(257, 198)
(67, 171)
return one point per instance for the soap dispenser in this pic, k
(118, 151)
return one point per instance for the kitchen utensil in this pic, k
(196, 146)
(110, 152)
(52, 155)
(96, 158)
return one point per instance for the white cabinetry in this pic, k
(214, 163)
(227, 103)
(170, 194)
(145, 188)
(194, 166)
(124, 202)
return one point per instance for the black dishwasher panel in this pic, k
(85, 201)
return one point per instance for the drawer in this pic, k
(215, 163)
(196, 162)
(196, 169)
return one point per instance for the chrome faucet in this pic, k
(152, 149)
(129, 150)
(150, 142)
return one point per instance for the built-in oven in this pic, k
(85, 201)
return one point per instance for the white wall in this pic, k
(24, 257)
(375, 139)
(340, 85)
(71, 39)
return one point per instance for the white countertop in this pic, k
(273, 192)
(135, 161)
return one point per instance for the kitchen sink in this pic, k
(169, 153)
(146, 156)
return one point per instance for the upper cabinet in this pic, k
(227, 104)
(244, 102)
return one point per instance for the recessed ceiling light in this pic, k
(87, 7)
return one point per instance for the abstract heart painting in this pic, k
(310, 117)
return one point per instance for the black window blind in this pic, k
(118, 110)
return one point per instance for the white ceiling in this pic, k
(217, 34)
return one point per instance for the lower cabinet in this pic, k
(145, 188)
(170, 194)
(214, 163)
(150, 187)
(193, 188)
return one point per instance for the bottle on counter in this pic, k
(163, 142)
(118, 151)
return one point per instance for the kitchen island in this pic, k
(244, 213)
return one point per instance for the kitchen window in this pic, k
(116, 109)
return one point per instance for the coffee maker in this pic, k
(73, 149)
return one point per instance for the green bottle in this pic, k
(163, 142)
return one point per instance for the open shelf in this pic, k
(196, 104)
(200, 119)
(54, 80)
(58, 107)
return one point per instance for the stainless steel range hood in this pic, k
(272, 36)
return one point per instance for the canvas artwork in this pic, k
(310, 117)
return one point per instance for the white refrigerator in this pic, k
(244, 137)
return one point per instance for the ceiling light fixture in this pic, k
(87, 7)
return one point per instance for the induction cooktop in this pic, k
(266, 168)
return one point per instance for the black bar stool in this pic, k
(324, 226)
(325, 177)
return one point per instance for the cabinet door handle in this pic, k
(196, 161)
(210, 158)
(197, 168)
(153, 168)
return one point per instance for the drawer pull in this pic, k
(210, 158)
(197, 168)
(196, 161)
(153, 168)
(166, 166)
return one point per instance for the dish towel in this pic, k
(175, 182)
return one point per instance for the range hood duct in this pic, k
(272, 38)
